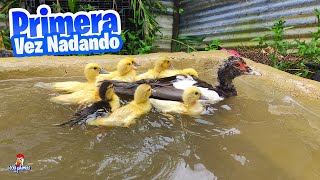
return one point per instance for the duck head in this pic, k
(106, 91)
(232, 68)
(142, 93)
(162, 64)
(191, 95)
(92, 70)
(125, 66)
(190, 72)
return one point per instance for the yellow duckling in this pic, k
(190, 106)
(91, 71)
(109, 102)
(82, 97)
(127, 114)
(125, 71)
(171, 72)
(86, 97)
(160, 65)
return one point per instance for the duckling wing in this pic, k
(68, 86)
(169, 73)
(167, 106)
(93, 111)
(123, 116)
(147, 75)
(82, 97)
(102, 77)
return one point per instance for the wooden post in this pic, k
(175, 25)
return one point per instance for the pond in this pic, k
(255, 135)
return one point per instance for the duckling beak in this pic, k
(102, 71)
(134, 67)
(136, 64)
(202, 97)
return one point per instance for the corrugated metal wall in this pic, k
(165, 21)
(236, 22)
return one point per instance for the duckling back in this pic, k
(127, 114)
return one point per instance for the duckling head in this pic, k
(162, 64)
(232, 68)
(92, 70)
(133, 61)
(125, 66)
(190, 71)
(142, 93)
(191, 95)
(106, 90)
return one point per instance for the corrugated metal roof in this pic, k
(236, 22)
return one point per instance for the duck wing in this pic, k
(162, 88)
(169, 88)
(94, 111)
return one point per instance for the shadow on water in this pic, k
(240, 138)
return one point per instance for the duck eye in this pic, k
(129, 64)
(95, 68)
(237, 64)
(196, 93)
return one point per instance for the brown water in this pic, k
(251, 136)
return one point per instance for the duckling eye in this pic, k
(196, 93)
(95, 68)
(129, 64)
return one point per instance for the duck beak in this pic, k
(102, 71)
(202, 97)
(249, 71)
(252, 72)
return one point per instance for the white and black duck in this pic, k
(171, 88)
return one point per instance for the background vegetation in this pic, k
(298, 57)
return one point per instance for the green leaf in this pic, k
(2, 16)
(180, 10)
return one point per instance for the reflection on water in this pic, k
(244, 137)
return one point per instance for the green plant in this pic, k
(5, 32)
(180, 10)
(140, 39)
(137, 42)
(73, 5)
(290, 56)
(188, 43)
(57, 7)
(214, 45)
